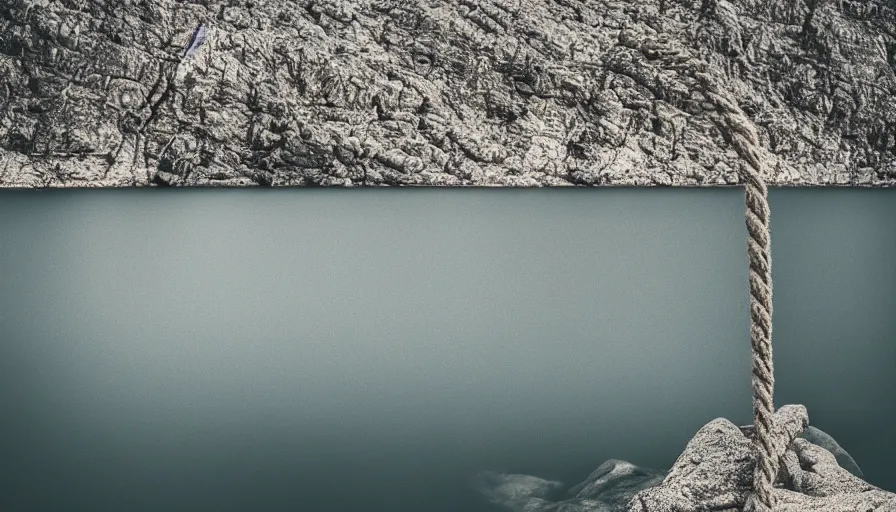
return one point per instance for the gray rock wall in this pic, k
(442, 92)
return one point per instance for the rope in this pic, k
(759, 249)
(741, 133)
(746, 142)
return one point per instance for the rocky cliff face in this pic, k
(443, 92)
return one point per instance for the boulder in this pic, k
(714, 472)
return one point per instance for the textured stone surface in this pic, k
(844, 460)
(715, 470)
(442, 92)
(815, 482)
(713, 473)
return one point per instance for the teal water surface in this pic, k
(368, 350)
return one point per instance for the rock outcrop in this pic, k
(442, 92)
(714, 472)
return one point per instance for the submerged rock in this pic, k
(616, 482)
(714, 472)
(516, 492)
(608, 489)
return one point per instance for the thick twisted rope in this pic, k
(746, 142)
(759, 249)
(741, 133)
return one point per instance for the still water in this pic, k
(372, 350)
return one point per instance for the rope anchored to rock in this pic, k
(746, 141)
